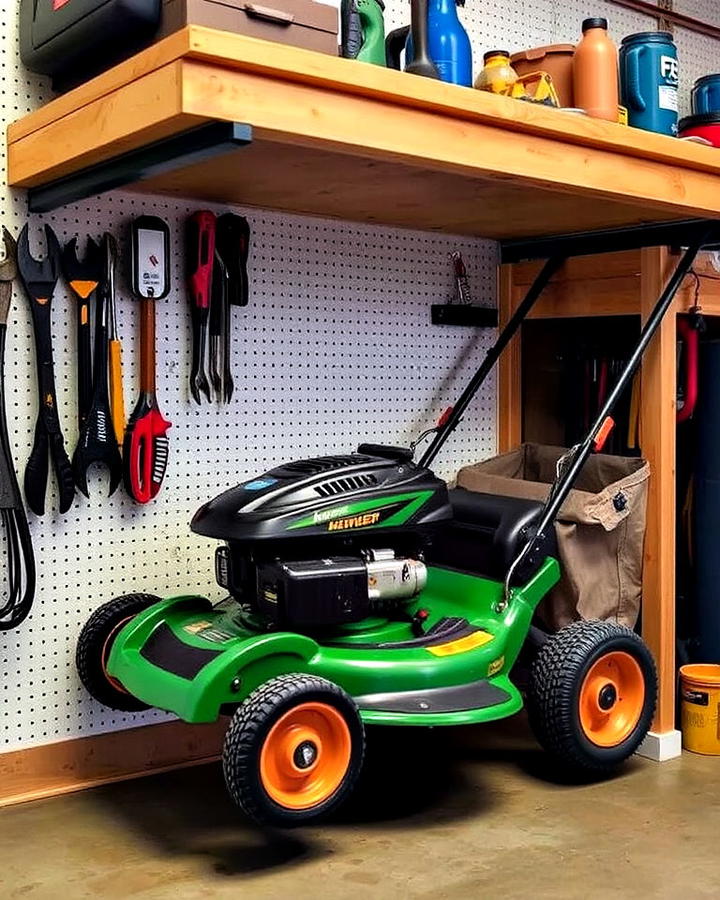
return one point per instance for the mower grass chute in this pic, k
(360, 590)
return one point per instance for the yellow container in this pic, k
(700, 708)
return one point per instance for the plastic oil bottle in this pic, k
(497, 75)
(448, 43)
(595, 72)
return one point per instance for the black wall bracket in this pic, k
(176, 152)
(612, 240)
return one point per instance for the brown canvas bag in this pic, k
(600, 529)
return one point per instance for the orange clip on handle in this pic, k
(603, 433)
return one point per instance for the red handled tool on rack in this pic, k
(199, 260)
(145, 449)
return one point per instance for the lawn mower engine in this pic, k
(328, 541)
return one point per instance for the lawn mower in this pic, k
(362, 591)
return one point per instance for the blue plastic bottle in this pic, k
(449, 43)
(649, 81)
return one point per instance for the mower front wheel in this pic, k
(94, 645)
(592, 695)
(294, 750)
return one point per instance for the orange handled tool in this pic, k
(117, 398)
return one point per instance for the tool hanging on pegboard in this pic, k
(97, 443)
(38, 278)
(17, 599)
(146, 446)
(216, 256)
(117, 396)
(83, 279)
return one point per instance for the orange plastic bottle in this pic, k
(595, 72)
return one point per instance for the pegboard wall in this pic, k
(335, 348)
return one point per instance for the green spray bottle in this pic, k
(363, 30)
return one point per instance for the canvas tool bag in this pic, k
(600, 528)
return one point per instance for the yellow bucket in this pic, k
(700, 708)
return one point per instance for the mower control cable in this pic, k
(569, 470)
(450, 421)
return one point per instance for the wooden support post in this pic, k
(657, 436)
(509, 404)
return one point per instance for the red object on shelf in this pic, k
(706, 125)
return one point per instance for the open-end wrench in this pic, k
(38, 278)
(97, 443)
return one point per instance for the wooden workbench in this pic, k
(334, 137)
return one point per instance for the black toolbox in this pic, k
(72, 40)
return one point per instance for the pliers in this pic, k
(199, 258)
(38, 278)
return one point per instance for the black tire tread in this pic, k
(89, 650)
(555, 679)
(245, 735)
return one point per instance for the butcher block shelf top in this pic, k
(334, 137)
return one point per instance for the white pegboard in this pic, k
(335, 348)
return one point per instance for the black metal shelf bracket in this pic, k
(682, 233)
(167, 155)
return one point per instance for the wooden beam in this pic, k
(74, 765)
(657, 438)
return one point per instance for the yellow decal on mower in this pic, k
(461, 645)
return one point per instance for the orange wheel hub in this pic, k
(611, 700)
(305, 756)
(107, 646)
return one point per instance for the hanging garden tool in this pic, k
(83, 278)
(145, 450)
(97, 442)
(20, 566)
(117, 397)
(220, 375)
(38, 278)
(232, 247)
(199, 258)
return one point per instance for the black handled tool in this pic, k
(199, 259)
(97, 442)
(38, 278)
(232, 240)
(17, 600)
(220, 375)
(83, 278)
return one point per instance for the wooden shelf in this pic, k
(335, 137)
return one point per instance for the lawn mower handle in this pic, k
(578, 455)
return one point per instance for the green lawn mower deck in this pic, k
(185, 656)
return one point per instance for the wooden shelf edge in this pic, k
(294, 64)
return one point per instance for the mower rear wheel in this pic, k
(294, 750)
(95, 643)
(592, 695)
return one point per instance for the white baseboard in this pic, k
(661, 747)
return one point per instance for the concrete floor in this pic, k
(461, 813)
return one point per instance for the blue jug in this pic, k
(706, 95)
(649, 81)
(448, 43)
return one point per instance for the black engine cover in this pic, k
(331, 496)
